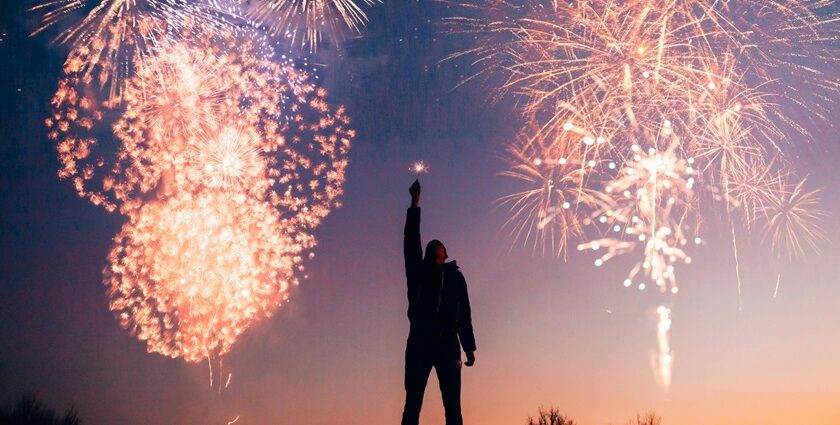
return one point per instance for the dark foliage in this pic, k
(646, 419)
(550, 417)
(553, 417)
(30, 411)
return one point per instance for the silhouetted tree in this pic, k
(550, 417)
(646, 419)
(30, 411)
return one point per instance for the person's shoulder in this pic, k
(452, 267)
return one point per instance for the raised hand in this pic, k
(414, 190)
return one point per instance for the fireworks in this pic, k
(555, 206)
(117, 35)
(649, 205)
(791, 218)
(188, 274)
(306, 21)
(645, 119)
(598, 79)
(227, 160)
(249, 109)
(630, 56)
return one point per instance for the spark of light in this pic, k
(419, 167)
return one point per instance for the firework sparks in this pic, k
(249, 109)
(649, 205)
(558, 200)
(306, 21)
(226, 163)
(616, 69)
(638, 54)
(419, 167)
(643, 116)
(189, 274)
(230, 159)
(792, 219)
(115, 36)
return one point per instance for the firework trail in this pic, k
(663, 362)
(306, 22)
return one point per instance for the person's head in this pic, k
(436, 252)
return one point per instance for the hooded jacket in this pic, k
(437, 295)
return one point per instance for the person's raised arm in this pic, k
(411, 244)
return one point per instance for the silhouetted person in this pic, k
(439, 312)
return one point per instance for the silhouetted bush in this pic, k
(550, 417)
(553, 417)
(30, 411)
(646, 419)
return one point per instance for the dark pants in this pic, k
(423, 352)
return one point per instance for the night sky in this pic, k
(549, 332)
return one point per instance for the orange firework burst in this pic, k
(639, 53)
(639, 109)
(226, 163)
(791, 219)
(306, 21)
(712, 70)
(230, 159)
(190, 273)
(263, 110)
(111, 37)
(558, 200)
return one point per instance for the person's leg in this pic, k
(449, 375)
(418, 365)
